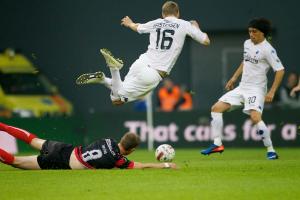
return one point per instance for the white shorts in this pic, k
(139, 81)
(251, 98)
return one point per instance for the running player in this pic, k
(167, 36)
(259, 56)
(101, 154)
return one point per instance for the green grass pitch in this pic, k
(235, 174)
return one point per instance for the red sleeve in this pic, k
(131, 165)
(124, 163)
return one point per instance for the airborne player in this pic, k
(167, 36)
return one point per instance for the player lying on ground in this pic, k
(259, 56)
(101, 154)
(167, 37)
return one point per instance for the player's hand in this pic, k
(230, 84)
(294, 90)
(172, 165)
(292, 93)
(269, 97)
(195, 23)
(126, 21)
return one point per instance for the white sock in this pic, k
(265, 133)
(116, 82)
(270, 149)
(217, 127)
(107, 82)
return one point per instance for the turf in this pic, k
(236, 174)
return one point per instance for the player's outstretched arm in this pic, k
(138, 165)
(206, 40)
(234, 78)
(127, 22)
(277, 81)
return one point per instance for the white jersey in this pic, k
(167, 37)
(257, 61)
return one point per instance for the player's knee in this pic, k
(255, 118)
(220, 107)
(214, 108)
(17, 162)
(37, 143)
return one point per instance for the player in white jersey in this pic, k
(252, 92)
(167, 36)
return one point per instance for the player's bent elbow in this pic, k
(206, 42)
(282, 71)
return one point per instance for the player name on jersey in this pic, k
(166, 24)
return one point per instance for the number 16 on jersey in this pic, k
(164, 39)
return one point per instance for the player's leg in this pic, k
(217, 111)
(114, 65)
(94, 78)
(22, 162)
(254, 104)
(26, 162)
(23, 135)
(264, 132)
(6, 157)
(226, 102)
(116, 84)
(139, 81)
(17, 133)
(37, 143)
(217, 127)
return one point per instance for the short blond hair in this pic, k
(170, 8)
(130, 141)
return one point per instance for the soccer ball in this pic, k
(165, 153)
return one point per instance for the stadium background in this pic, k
(63, 39)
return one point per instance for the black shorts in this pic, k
(55, 155)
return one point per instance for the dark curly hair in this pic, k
(262, 24)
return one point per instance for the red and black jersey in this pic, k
(102, 154)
